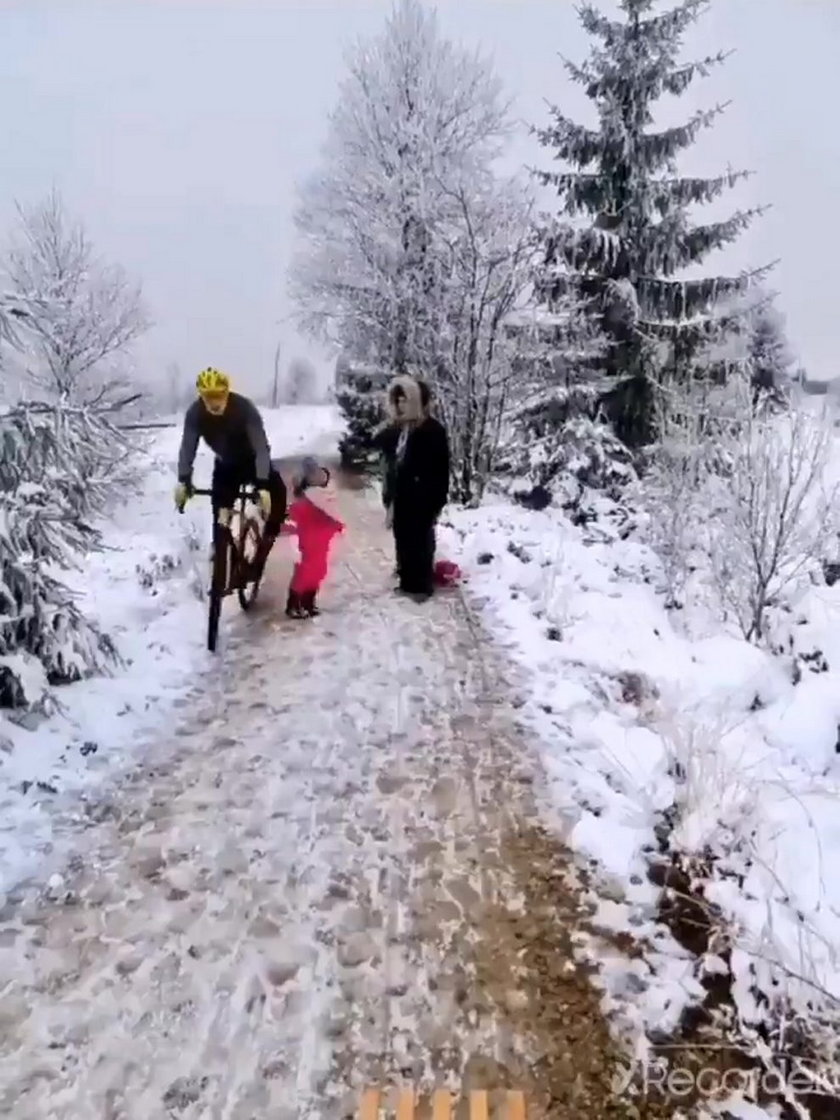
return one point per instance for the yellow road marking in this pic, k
(370, 1105)
(405, 1105)
(478, 1105)
(515, 1105)
(441, 1105)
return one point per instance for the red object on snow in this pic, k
(447, 573)
(315, 529)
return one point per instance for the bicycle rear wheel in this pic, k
(218, 585)
(250, 539)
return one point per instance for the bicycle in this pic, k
(237, 536)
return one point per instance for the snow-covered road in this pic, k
(327, 876)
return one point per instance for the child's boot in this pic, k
(294, 606)
(309, 604)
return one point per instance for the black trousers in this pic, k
(414, 538)
(229, 478)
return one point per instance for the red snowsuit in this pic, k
(315, 529)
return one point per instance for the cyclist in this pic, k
(232, 427)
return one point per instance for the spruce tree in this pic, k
(626, 259)
(769, 355)
(360, 396)
(56, 469)
(558, 446)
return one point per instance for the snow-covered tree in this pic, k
(413, 113)
(360, 393)
(752, 348)
(768, 354)
(59, 467)
(739, 489)
(44, 639)
(56, 472)
(12, 316)
(82, 315)
(622, 177)
(558, 444)
(678, 472)
(486, 257)
(418, 124)
(775, 515)
(89, 456)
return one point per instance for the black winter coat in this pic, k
(420, 478)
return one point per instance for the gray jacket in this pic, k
(237, 437)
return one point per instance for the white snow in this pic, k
(634, 717)
(143, 591)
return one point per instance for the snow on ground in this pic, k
(635, 719)
(324, 878)
(143, 592)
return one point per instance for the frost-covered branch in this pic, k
(775, 517)
(414, 111)
(82, 316)
(487, 258)
(44, 639)
(58, 468)
(412, 252)
(676, 480)
(738, 488)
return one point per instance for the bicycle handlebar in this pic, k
(252, 492)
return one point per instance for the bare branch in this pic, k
(744, 486)
(410, 249)
(81, 314)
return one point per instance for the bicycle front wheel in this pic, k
(218, 585)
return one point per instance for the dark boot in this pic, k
(309, 606)
(294, 606)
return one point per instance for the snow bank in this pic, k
(641, 727)
(141, 591)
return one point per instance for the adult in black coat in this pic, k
(385, 440)
(416, 483)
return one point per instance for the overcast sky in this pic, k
(178, 132)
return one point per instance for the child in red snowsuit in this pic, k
(315, 529)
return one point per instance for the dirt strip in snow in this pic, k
(331, 875)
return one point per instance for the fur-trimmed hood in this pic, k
(415, 411)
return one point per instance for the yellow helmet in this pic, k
(212, 381)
